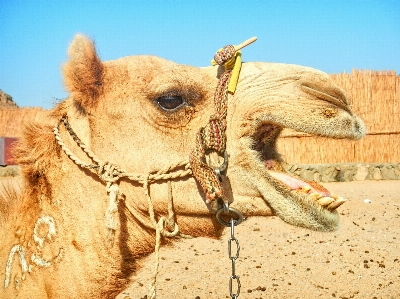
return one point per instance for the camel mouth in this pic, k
(305, 192)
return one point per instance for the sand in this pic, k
(276, 260)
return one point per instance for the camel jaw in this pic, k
(297, 202)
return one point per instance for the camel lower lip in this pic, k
(314, 191)
(302, 205)
(296, 184)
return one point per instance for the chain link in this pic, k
(233, 258)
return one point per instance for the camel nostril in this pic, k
(356, 127)
(359, 129)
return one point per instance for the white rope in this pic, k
(160, 227)
(110, 174)
(109, 218)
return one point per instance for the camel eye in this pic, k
(170, 102)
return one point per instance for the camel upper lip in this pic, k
(333, 96)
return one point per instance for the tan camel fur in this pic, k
(142, 113)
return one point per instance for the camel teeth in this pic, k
(315, 196)
(324, 201)
(305, 189)
(334, 205)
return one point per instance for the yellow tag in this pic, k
(235, 63)
(235, 72)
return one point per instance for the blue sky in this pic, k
(334, 36)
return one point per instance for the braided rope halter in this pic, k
(212, 137)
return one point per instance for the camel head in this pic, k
(143, 113)
(127, 153)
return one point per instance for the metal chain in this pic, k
(233, 257)
(233, 260)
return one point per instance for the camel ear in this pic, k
(83, 72)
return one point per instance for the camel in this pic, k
(116, 158)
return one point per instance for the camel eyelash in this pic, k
(173, 100)
(171, 103)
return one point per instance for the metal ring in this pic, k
(231, 211)
(221, 171)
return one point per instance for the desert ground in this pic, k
(276, 260)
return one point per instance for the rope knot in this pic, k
(108, 172)
(168, 227)
(224, 55)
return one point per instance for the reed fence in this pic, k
(375, 97)
(12, 120)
